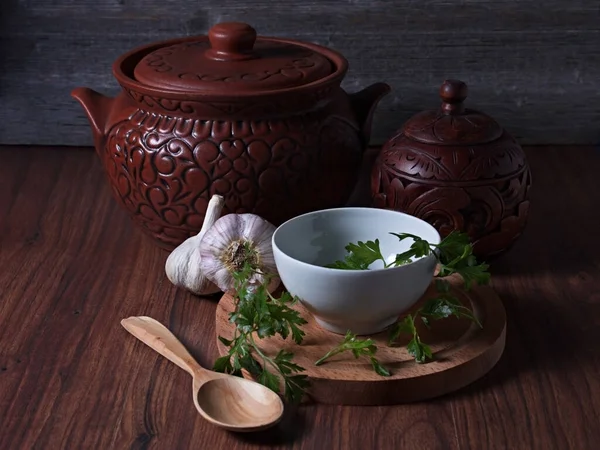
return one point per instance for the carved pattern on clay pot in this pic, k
(164, 170)
(292, 69)
(226, 109)
(490, 202)
(425, 162)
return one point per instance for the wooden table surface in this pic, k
(72, 266)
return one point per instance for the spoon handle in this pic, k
(158, 337)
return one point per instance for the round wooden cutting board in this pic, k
(462, 352)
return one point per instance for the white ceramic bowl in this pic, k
(362, 301)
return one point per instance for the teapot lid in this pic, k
(232, 60)
(452, 123)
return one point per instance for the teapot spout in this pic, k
(97, 108)
(364, 104)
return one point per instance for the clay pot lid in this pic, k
(232, 59)
(452, 123)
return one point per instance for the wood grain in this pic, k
(533, 69)
(463, 353)
(227, 401)
(71, 377)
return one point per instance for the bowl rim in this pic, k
(354, 208)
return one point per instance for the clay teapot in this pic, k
(456, 168)
(261, 121)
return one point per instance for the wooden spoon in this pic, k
(224, 400)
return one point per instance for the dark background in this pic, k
(532, 65)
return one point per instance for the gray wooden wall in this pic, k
(532, 64)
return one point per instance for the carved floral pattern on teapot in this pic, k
(165, 169)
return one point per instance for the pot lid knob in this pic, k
(453, 94)
(231, 41)
(452, 124)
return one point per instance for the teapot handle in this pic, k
(364, 104)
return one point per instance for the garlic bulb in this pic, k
(183, 267)
(236, 239)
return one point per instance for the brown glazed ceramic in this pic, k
(459, 170)
(261, 121)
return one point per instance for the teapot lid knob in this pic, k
(453, 93)
(231, 41)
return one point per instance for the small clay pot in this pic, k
(261, 121)
(459, 170)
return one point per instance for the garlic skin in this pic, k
(183, 266)
(233, 240)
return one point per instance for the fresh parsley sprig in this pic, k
(445, 305)
(434, 309)
(361, 255)
(258, 312)
(419, 350)
(358, 348)
(454, 255)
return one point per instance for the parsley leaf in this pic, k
(285, 319)
(295, 387)
(419, 248)
(269, 380)
(284, 361)
(223, 364)
(378, 368)
(403, 258)
(419, 350)
(456, 256)
(258, 312)
(250, 364)
(360, 256)
(358, 348)
(405, 326)
(452, 246)
(415, 347)
(367, 251)
(474, 274)
(350, 262)
(446, 306)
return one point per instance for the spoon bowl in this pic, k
(227, 401)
